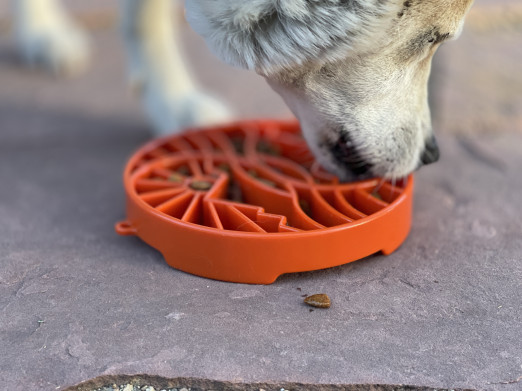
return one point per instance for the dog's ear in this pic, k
(268, 35)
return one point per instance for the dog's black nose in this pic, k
(431, 152)
(347, 155)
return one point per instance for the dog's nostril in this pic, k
(349, 157)
(431, 152)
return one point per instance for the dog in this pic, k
(354, 72)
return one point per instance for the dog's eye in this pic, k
(424, 42)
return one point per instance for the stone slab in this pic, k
(77, 301)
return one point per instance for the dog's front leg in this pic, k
(158, 70)
(46, 36)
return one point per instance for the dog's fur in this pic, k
(354, 72)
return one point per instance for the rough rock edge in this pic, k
(195, 384)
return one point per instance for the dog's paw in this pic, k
(172, 114)
(63, 48)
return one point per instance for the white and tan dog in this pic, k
(354, 72)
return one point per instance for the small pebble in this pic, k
(320, 300)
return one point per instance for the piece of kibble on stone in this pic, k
(320, 300)
(200, 185)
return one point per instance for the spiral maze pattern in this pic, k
(255, 177)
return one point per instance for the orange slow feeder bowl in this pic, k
(246, 203)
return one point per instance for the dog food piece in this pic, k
(200, 185)
(264, 147)
(377, 195)
(175, 177)
(319, 300)
(265, 181)
(234, 192)
(183, 170)
(225, 167)
(305, 206)
(238, 144)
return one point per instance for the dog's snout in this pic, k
(431, 152)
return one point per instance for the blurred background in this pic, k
(102, 93)
(476, 81)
